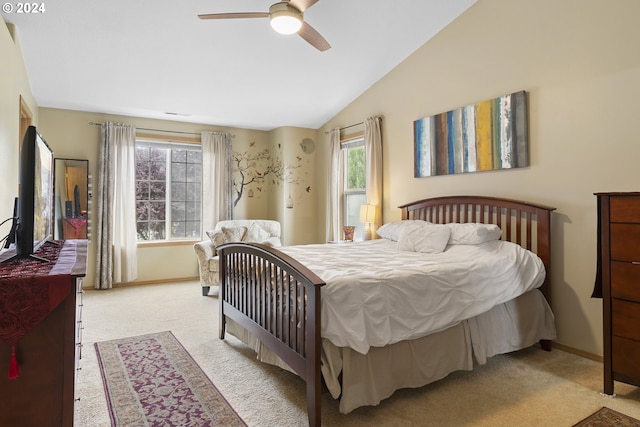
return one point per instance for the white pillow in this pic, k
(426, 238)
(216, 236)
(473, 233)
(234, 234)
(391, 230)
(227, 235)
(256, 234)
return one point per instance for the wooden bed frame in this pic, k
(277, 299)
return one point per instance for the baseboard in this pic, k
(153, 282)
(578, 352)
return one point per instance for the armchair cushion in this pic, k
(217, 238)
(262, 231)
(256, 234)
(272, 241)
(227, 235)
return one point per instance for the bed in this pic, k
(286, 304)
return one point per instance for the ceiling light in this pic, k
(285, 18)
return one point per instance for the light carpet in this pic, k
(527, 388)
(152, 380)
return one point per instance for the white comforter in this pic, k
(376, 295)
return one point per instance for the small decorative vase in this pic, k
(348, 231)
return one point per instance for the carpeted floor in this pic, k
(152, 380)
(527, 388)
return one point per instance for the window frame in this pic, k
(172, 142)
(346, 143)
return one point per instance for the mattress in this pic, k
(376, 295)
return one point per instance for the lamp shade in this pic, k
(285, 19)
(367, 213)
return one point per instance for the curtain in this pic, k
(116, 203)
(373, 164)
(336, 177)
(217, 180)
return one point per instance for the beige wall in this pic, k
(579, 62)
(294, 198)
(256, 197)
(13, 84)
(70, 135)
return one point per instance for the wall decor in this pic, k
(307, 145)
(489, 135)
(252, 167)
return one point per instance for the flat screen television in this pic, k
(35, 195)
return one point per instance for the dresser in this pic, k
(619, 281)
(44, 301)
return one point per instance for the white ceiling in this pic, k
(146, 58)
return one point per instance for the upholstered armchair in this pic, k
(237, 230)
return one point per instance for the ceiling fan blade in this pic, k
(234, 15)
(310, 34)
(302, 5)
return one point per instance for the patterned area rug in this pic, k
(152, 380)
(605, 417)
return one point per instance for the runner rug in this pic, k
(152, 380)
(605, 417)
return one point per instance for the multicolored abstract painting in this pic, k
(486, 136)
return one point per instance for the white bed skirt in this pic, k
(508, 327)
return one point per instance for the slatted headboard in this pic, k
(526, 224)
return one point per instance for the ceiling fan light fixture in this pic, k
(284, 18)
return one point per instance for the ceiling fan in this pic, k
(286, 17)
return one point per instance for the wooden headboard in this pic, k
(526, 224)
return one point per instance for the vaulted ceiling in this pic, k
(157, 59)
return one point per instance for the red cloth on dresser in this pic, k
(77, 224)
(25, 302)
(27, 295)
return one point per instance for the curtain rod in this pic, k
(353, 125)
(346, 127)
(350, 126)
(160, 130)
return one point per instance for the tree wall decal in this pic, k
(256, 167)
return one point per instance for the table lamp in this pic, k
(368, 216)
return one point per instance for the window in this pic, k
(168, 190)
(354, 192)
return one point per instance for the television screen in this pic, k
(35, 199)
(43, 202)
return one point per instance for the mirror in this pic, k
(71, 203)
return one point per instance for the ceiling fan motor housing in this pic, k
(284, 18)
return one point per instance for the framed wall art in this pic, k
(489, 135)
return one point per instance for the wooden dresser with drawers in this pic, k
(41, 335)
(619, 276)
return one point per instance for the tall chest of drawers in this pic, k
(619, 275)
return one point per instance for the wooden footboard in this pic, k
(277, 299)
